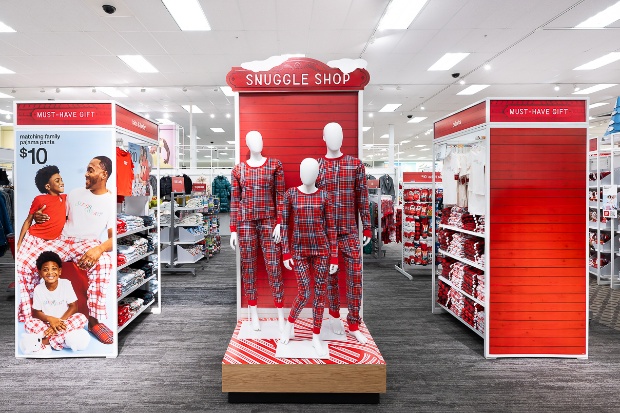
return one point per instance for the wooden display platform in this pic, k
(251, 366)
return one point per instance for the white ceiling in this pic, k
(73, 45)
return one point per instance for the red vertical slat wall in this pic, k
(537, 242)
(292, 128)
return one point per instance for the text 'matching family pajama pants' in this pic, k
(313, 249)
(255, 209)
(344, 179)
(57, 340)
(68, 249)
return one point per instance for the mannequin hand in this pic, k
(366, 240)
(333, 268)
(288, 264)
(276, 234)
(233, 240)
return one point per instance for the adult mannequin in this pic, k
(344, 179)
(314, 244)
(255, 217)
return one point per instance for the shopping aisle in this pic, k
(173, 360)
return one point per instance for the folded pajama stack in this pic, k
(456, 274)
(473, 248)
(456, 301)
(469, 310)
(479, 291)
(479, 223)
(479, 319)
(149, 220)
(191, 219)
(132, 222)
(442, 294)
(124, 314)
(144, 295)
(121, 226)
(121, 259)
(139, 244)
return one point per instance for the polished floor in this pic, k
(172, 361)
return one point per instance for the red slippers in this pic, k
(103, 333)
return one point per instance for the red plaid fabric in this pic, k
(314, 233)
(320, 268)
(257, 192)
(57, 341)
(349, 247)
(69, 249)
(249, 233)
(344, 179)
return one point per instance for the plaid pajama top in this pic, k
(344, 179)
(257, 192)
(314, 233)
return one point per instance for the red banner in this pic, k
(136, 123)
(593, 144)
(297, 74)
(421, 177)
(547, 111)
(69, 114)
(178, 184)
(465, 119)
(199, 187)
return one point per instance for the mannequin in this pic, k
(314, 244)
(344, 179)
(255, 217)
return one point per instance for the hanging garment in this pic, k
(387, 185)
(124, 172)
(222, 189)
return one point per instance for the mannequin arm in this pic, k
(276, 235)
(233, 240)
(333, 268)
(288, 264)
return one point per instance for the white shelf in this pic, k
(178, 208)
(134, 231)
(182, 225)
(594, 205)
(464, 231)
(464, 260)
(195, 258)
(140, 311)
(481, 334)
(135, 260)
(135, 287)
(471, 297)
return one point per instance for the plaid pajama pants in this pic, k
(320, 266)
(349, 248)
(57, 341)
(250, 233)
(69, 249)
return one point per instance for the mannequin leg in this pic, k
(317, 343)
(350, 248)
(321, 270)
(248, 244)
(253, 316)
(273, 258)
(302, 273)
(287, 332)
(333, 291)
(281, 319)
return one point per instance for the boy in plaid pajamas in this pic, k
(314, 243)
(255, 217)
(344, 179)
(54, 307)
(90, 212)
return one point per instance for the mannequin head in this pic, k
(332, 135)
(308, 171)
(254, 141)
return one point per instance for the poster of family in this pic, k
(65, 260)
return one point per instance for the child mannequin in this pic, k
(255, 216)
(314, 240)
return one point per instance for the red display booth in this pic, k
(289, 105)
(527, 295)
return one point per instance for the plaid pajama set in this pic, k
(57, 341)
(314, 244)
(255, 210)
(344, 179)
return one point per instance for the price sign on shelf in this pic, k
(178, 184)
(610, 201)
(35, 155)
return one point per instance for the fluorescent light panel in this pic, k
(195, 109)
(188, 14)
(420, 146)
(400, 14)
(4, 28)
(600, 62)
(112, 92)
(405, 141)
(447, 61)
(5, 71)
(230, 142)
(5, 112)
(602, 19)
(390, 107)
(425, 149)
(594, 88)
(366, 128)
(138, 63)
(5, 96)
(218, 130)
(227, 90)
(473, 89)
(597, 105)
(417, 119)
(386, 136)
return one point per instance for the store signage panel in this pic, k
(297, 74)
(421, 177)
(64, 114)
(178, 184)
(135, 123)
(465, 119)
(547, 111)
(199, 187)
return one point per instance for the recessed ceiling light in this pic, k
(406, 141)
(111, 91)
(368, 145)
(473, 89)
(212, 115)
(228, 116)
(400, 13)
(600, 62)
(5, 71)
(576, 88)
(385, 136)
(195, 109)
(447, 61)
(599, 104)
(420, 146)
(556, 88)
(188, 14)
(421, 107)
(230, 142)
(217, 130)
(390, 107)
(370, 115)
(601, 19)
(6, 29)
(487, 67)
(462, 82)
(227, 90)
(366, 128)
(594, 88)
(8, 116)
(425, 149)
(146, 115)
(223, 153)
(166, 116)
(207, 156)
(417, 119)
(138, 63)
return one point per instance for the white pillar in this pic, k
(391, 148)
(193, 152)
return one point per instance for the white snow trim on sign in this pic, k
(348, 65)
(264, 65)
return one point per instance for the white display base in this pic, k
(327, 334)
(269, 329)
(300, 350)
